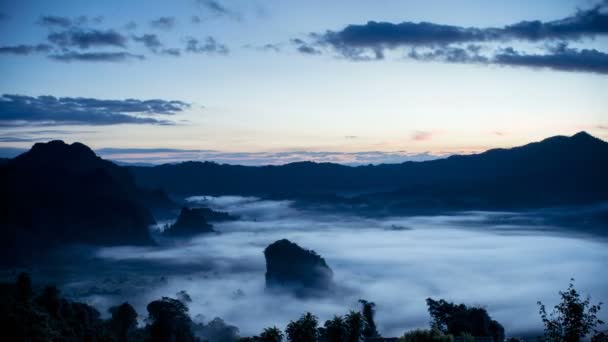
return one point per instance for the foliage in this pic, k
(169, 321)
(355, 325)
(368, 309)
(572, 319)
(456, 320)
(273, 334)
(303, 330)
(432, 335)
(334, 330)
(123, 321)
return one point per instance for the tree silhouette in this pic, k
(572, 319)
(457, 320)
(334, 330)
(273, 334)
(123, 321)
(368, 309)
(169, 321)
(355, 325)
(303, 330)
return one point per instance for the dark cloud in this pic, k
(55, 21)
(195, 19)
(561, 58)
(218, 9)
(304, 47)
(163, 23)
(86, 38)
(50, 110)
(557, 58)
(171, 52)
(24, 49)
(73, 56)
(151, 41)
(450, 54)
(209, 46)
(367, 41)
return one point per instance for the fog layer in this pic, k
(395, 262)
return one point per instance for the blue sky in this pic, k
(295, 78)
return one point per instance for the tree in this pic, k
(334, 330)
(456, 320)
(368, 310)
(169, 321)
(355, 325)
(123, 321)
(24, 287)
(572, 319)
(273, 334)
(303, 330)
(420, 335)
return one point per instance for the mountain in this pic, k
(58, 194)
(293, 268)
(556, 171)
(190, 222)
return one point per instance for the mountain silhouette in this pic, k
(57, 194)
(556, 171)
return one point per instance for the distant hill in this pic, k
(556, 171)
(58, 193)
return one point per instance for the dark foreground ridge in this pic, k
(57, 194)
(556, 171)
(293, 268)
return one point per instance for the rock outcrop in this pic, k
(189, 223)
(293, 268)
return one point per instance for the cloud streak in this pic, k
(87, 38)
(50, 110)
(208, 46)
(114, 57)
(560, 58)
(164, 23)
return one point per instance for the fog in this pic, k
(477, 258)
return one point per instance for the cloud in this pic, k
(458, 44)
(422, 136)
(218, 9)
(25, 49)
(210, 45)
(115, 57)
(380, 35)
(304, 47)
(86, 38)
(560, 58)
(151, 41)
(55, 21)
(163, 23)
(195, 19)
(50, 110)
(432, 256)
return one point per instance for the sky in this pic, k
(270, 81)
